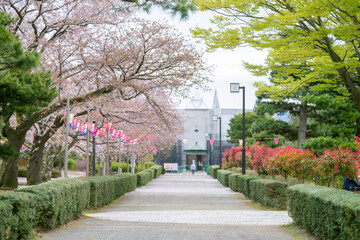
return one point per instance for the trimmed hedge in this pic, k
(244, 184)
(7, 221)
(152, 171)
(326, 212)
(143, 178)
(270, 193)
(158, 170)
(233, 181)
(54, 203)
(212, 170)
(223, 177)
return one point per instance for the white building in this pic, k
(202, 124)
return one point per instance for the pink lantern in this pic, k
(212, 143)
(92, 127)
(121, 133)
(149, 138)
(154, 151)
(22, 147)
(76, 129)
(74, 123)
(87, 127)
(81, 128)
(112, 129)
(93, 133)
(101, 133)
(276, 140)
(107, 126)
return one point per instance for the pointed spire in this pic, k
(216, 104)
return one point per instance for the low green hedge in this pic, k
(158, 170)
(212, 170)
(54, 203)
(152, 171)
(223, 177)
(269, 193)
(244, 184)
(143, 178)
(7, 221)
(326, 212)
(233, 181)
(163, 171)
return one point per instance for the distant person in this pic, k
(350, 184)
(193, 167)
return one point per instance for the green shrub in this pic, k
(212, 170)
(269, 193)
(152, 173)
(233, 181)
(223, 177)
(104, 189)
(71, 163)
(151, 164)
(54, 203)
(327, 213)
(58, 202)
(244, 183)
(143, 178)
(22, 171)
(55, 173)
(7, 221)
(158, 170)
(163, 171)
(22, 215)
(115, 167)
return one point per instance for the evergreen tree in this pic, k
(21, 93)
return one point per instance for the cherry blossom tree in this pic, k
(99, 53)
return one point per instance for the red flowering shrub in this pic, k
(257, 154)
(290, 161)
(338, 162)
(225, 159)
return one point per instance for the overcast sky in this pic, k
(227, 63)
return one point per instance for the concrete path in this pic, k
(178, 207)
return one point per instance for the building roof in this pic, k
(196, 103)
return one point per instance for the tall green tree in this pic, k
(259, 127)
(321, 35)
(21, 94)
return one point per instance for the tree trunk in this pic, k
(35, 162)
(9, 168)
(302, 124)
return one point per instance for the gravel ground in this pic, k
(178, 207)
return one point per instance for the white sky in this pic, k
(228, 63)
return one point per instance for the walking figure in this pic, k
(193, 167)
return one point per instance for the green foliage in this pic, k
(71, 163)
(163, 171)
(55, 173)
(325, 212)
(181, 7)
(58, 202)
(22, 171)
(233, 181)
(311, 42)
(143, 178)
(7, 220)
(320, 144)
(212, 170)
(152, 171)
(244, 183)
(223, 177)
(104, 189)
(269, 193)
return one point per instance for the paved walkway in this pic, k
(178, 207)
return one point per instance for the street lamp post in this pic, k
(215, 118)
(235, 88)
(93, 131)
(211, 142)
